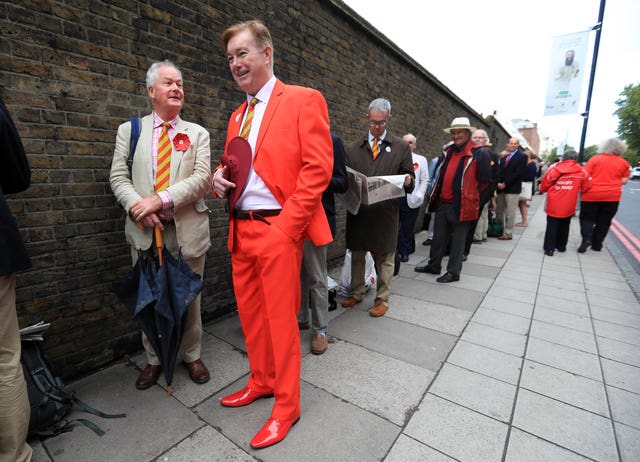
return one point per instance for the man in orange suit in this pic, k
(287, 128)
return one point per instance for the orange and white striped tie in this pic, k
(246, 127)
(163, 169)
(375, 149)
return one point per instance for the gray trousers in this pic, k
(14, 402)
(314, 290)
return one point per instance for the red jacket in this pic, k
(562, 183)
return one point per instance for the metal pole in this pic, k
(585, 114)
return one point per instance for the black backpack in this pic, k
(49, 399)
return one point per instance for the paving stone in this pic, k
(616, 316)
(564, 386)
(513, 293)
(529, 284)
(547, 281)
(564, 319)
(625, 406)
(492, 363)
(617, 332)
(621, 375)
(434, 316)
(409, 450)
(459, 432)
(581, 431)
(202, 445)
(329, 428)
(417, 345)
(524, 447)
(606, 302)
(504, 321)
(562, 294)
(496, 339)
(629, 442)
(619, 351)
(434, 292)
(508, 306)
(486, 395)
(565, 358)
(616, 295)
(575, 307)
(159, 421)
(564, 336)
(385, 386)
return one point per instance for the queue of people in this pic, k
(283, 216)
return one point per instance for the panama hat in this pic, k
(458, 123)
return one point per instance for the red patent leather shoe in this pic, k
(272, 432)
(243, 397)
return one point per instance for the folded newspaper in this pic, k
(370, 189)
(34, 331)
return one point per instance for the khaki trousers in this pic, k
(192, 335)
(507, 205)
(384, 267)
(14, 402)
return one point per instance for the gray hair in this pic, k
(570, 155)
(380, 105)
(613, 145)
(152, 73)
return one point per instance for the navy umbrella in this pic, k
(158, 291)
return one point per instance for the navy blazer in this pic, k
(15, 176)
(511, 174)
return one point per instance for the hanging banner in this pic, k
(566, 74)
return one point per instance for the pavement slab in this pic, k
(457, 431)
(579, 340)
(409, 450)
(625, 406)
(491, 363)
(581, 431)
(442, 318)
(564, 358)
(621, 375)
(481, 393)
(495, 339)
(629, 442)
(563, 319)
(504, 321)
(524, 447)
(619, 351)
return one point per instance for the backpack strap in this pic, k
(136, 128)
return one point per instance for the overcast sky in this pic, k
(510, 41)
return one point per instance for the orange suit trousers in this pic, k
(266, 280)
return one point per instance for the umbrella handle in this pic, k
(158, 236)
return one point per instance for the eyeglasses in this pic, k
(479, 137)
(374, 123)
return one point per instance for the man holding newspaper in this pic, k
(373, 225)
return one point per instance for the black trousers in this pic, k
(556, 235)
(595, 220)
(451, 234)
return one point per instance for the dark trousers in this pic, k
(406, 239)
(557, 233)
(451, 234)
(595, 219)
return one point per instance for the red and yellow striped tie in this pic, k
(246, 127)
(163, 169)
(375, 149)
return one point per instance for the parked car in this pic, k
(635, 173)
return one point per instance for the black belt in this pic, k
(259, 215)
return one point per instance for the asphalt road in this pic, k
(623, 240)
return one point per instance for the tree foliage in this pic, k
(628, 113)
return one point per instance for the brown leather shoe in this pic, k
(379, 309)
(349, 302)
(505, 237)
(148, 376)
(198, 371)
(319, 343)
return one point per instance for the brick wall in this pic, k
(73, 70)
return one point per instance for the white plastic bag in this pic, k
(370, 275)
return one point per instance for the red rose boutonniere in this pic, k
(181, 142)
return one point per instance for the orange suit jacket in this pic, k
(294, 157)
